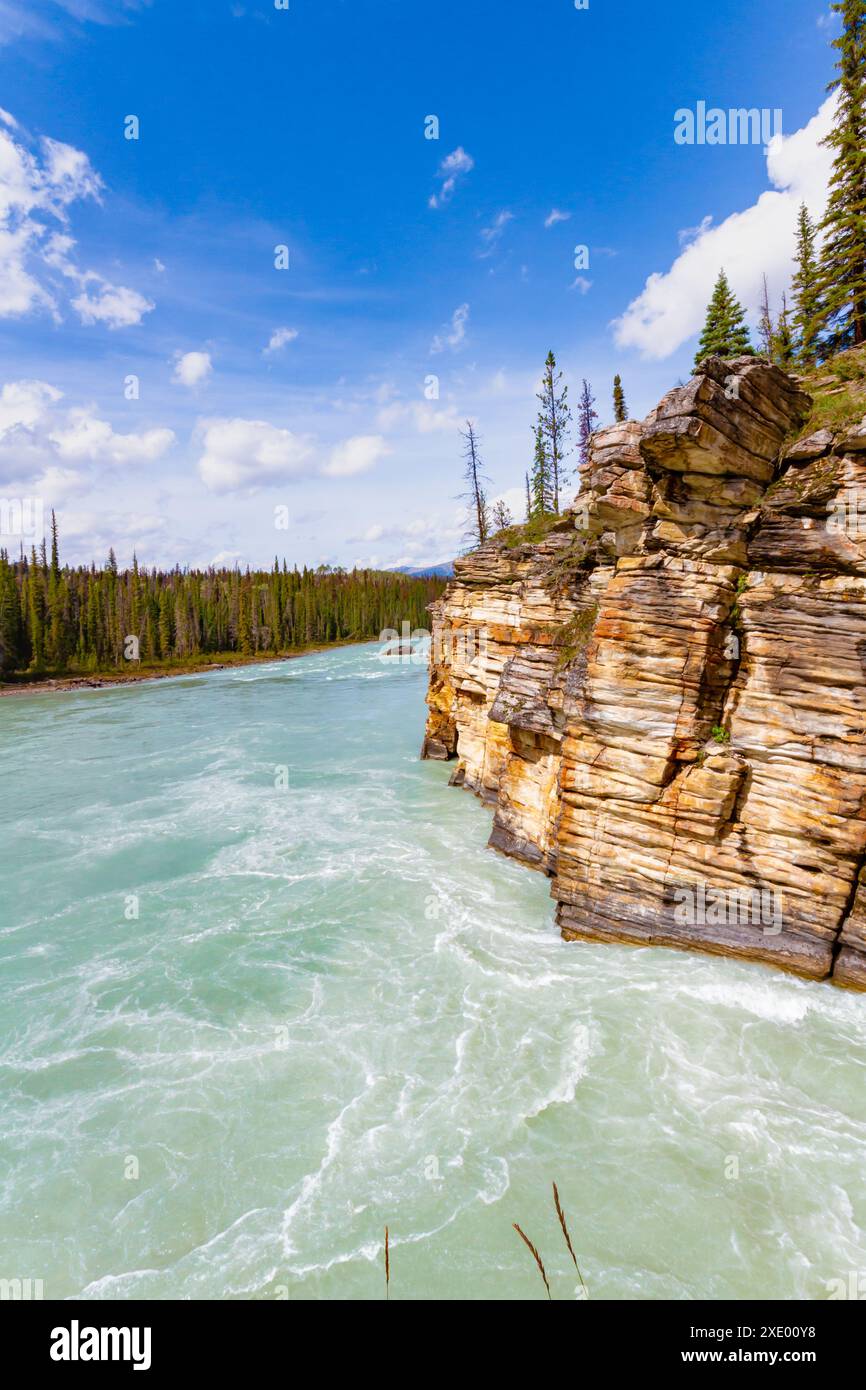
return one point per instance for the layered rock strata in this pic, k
(663, 700)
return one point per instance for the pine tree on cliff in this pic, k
(766, 330)
(783, 351)
(479, 521)
(843, 254)
(587, 419)
(807, 292)
(725, 332)
(528, 498)
(620, 410)
(554, 419)
(502, 517)
(542, 492)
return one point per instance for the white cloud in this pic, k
(554, 216)
(51, 449)
(25, 403)
(191, 368)
(279, 338)
(455, 337)
(21, 19)
(86, 438)
(581, 284)
(241, 454)
(114, 305)
(87, 536)
(453, 167)
(748, 244)
(158, 265)
(422, 415)
(426, 540)
(38, 183)
(491, 235)
(356, 455)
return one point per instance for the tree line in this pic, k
(828, 309)
(56, 619)
(552, 434)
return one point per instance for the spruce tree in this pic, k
(542, 492)
(10, 631)
(766, 330)
(725, 332)
(807, 292)
(36, 613)
(843, 253)
(528, 498)
(783, 352)
(56, 635)
(554, 419)
(587, 419)
(620, 410)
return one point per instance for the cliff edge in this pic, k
(661, 692)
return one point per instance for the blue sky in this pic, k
(409, 257)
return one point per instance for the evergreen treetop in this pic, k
(587, 420)
(725, 331)
(807, 292)
(542, 491)
(842, 313)
(554, 419)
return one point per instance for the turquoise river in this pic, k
(251, 1016)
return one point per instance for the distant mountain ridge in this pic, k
(444, 570)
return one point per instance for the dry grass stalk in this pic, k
(535, 1256)
(561, 1214)
(387, 1266)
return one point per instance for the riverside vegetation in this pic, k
(62, 621)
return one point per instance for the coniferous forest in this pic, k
(57, 620)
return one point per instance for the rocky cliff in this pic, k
(661, 692)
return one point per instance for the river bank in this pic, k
(104, 680)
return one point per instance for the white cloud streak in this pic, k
(454, 167)
(456, 334)
(279, 339)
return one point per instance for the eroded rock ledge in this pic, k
(663, 699)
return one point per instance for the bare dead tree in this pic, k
(475, 479)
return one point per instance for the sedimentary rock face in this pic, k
(664, 697)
